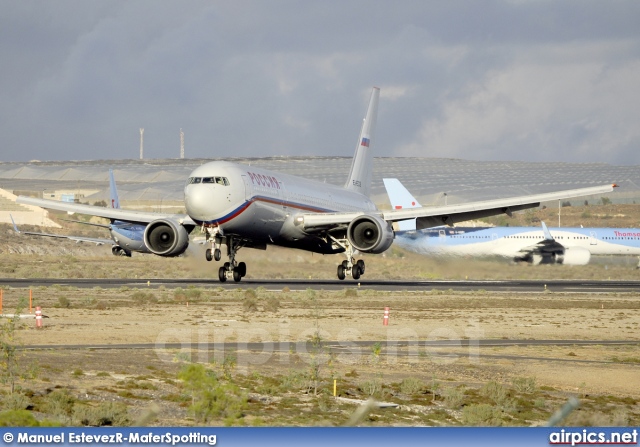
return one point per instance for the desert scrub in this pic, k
(210, 398)
(411, 385)
(481, 415)
(105, 414)
(140, 297)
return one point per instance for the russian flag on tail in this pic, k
(365, 142)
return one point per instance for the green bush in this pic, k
(105, 414)
(494, 391)
(18, 418)
(524, 384)
(141, 297)
(272, 304)
(59, 403)
(210, 398)
(15, 401)
(411, 385)
(481, 415)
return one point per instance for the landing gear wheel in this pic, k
(222, 274)
(345, 264)
(208, 254)
(360, 264)
(242, 268)
(216, 254)
(355, 271)
(236, 275)
(226, 265)
(341, 274)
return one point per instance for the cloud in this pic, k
(572, 102)
(486, 80)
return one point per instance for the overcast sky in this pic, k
(482, 80)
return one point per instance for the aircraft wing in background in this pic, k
(97, 241)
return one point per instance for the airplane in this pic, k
(568, 246)
(126, 237)
(244, 206)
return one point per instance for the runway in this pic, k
(517, 286)
(389, 348)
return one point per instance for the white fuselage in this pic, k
(514, 241)
(260, 205)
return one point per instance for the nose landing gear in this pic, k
(230, 269)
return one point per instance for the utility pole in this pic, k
(559, 208)
(181, 144)
(141, 143)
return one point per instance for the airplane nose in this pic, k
(198, 202)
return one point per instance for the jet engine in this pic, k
(166, 237)
(574, 256)
(370, 234)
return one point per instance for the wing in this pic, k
(97, 241)
(141, 217)
(428, 217)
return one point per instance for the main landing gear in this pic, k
(230, 269)
(349, 267)
(119, 251)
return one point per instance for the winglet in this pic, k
(547, 233)
(15, 227)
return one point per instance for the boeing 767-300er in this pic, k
(245, 206)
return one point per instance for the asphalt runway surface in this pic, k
(389, 348)
(517, 286)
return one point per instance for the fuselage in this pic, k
(129, 236)
(512, 241)
(260, 205)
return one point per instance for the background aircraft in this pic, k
(571, 246)
(245, 206)
(126, 237)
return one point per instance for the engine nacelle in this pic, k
(370, 234)
(165, 237)
(574, 256)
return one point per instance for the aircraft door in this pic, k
(248, 189)
(494, 237)
(284, 198)
(442, 233)
(593, 238)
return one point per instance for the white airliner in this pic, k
(126, 237)
(569, 246)
(246, 206)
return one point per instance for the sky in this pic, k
(493, 80)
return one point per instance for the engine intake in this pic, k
(165, 237)
(370, 234)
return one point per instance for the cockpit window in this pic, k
(217, 180)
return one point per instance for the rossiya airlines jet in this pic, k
(245, 206)
(569, 246)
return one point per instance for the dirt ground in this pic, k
(606, 378)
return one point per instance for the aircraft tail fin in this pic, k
(401, 198)
(115, 201)
(547, 233)
(15, 227)
(362, 164)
